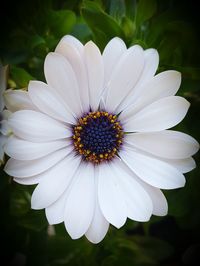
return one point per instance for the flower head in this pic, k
(96, 138)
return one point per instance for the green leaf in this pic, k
(100, 22)
(128, 252)
(61, 22)
(36, 40)
(128, 27)
(117, 9)
(82, 32)
(145, 10)
(34, 220)
(130, 8)
(63, 251)
(20, 76)
(158, 26)
(19, 201)
(153, 247)
(36, 253)
(170, 42)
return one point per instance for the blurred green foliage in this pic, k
(31, 29)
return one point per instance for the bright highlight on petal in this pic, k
(94, 137)
(50, 188)
(79, 207)
(65, 84)
(111, 201)
(162, 114)
(167, 144)
(95, 73)
(111, 55)
(32, 126)
(44, 98)
(153, 171)
(124, 76)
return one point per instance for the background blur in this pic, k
(31, 29)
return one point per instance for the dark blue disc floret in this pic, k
(98, 136)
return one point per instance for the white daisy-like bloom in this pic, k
(4, 114)
(95, 137)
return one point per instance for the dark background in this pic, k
(29, 30)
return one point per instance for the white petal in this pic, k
(160, 206)
(79, 208)
(158, 202)
(43, 97)
(167, 144)
(28, 180)
(162, 85)
(111, 55)
(138, 202)
(4, 128)
(54, 182)
(111, 200)
(124, 76)
(37, 127)
(99, 225)
(55, 212)
(95, 73)
(183, 165)
(98, 228)
(75, 58)
(151, 61)
(16, 100)
(153, 171)
(71, 40)
(160, 115)
(61, 77)
(29, 168)
(24, 150)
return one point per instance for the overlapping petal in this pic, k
(61, 77)
(55, 212)
(54, 182)
(138, 203)
(162, 114)
(111, 55)
(153, 171)
(24, 168)
(111, 201)
(16, 100)
(72, 49)
(162, 85)
(79, 207)
(95, 73)
(124, 76)
(99, 225)
(20, 149)
(151, 61)
(167, 144)
(46, 101)
(37, 127)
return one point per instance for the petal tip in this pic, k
(90, 44)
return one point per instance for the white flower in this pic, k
(96, 139)
(3, 113)
(13, 100)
